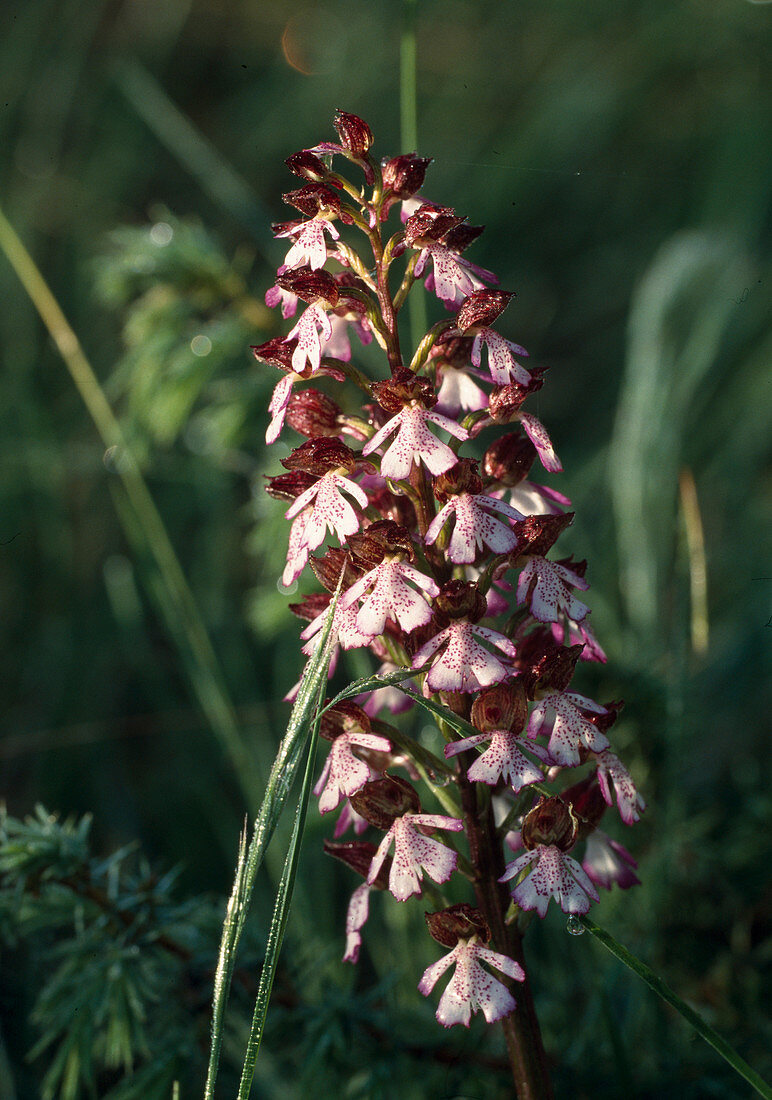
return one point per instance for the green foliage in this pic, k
(188, 324)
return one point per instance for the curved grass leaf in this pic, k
(738, 1064)
(278, 922)
(285, 767)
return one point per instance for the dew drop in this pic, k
(574, 926)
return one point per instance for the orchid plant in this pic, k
(442, 565)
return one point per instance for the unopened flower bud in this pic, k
(457, 922)
(312, 198)
(354, 133)
(402, 388)
(328, 568)
(501, 707)
(461, 600)
(345, 717)
(358, 855)
(509, 459)
(319, 456)
(551, 822)
(482, 308)
(308, 166)
(312, 413)
(537, 534)
(586, 800)
(459, 237)
(289, 486)
(505, 402)
(311, 286)
(461, 478)
(404, 175)
(277, 352)
(552, 666)
(381, 801)
(430, 223)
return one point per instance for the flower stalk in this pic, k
(445, 567)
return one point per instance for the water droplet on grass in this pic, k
(574, 926)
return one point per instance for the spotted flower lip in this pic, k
(415, 443)
(475, 527)
(552, 874)
(344, 773)
(391, 595)
(472, 988)
(309, 246)
(503, 759)
(558, 715)
(546, 587)
(415, 853)
(612, 772)
(464, 664)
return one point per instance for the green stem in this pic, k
(408, 110)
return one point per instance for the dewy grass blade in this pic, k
(279, 921)
(225, 961)
(285, 767)
(693, 1018)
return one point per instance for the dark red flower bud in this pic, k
(312, 198)
(550, 670)
(464, 477)
(550, 822)
(311, 286)
(604, 722)
(460, 600)
(319, 456)
(578, 567)
(355, 135)
(502, 707)
(345, 717)
(308, 166)
(402, 388)
(390, 506)
(586, 800)
(455, 351)
(537, 534)
(358, 855)
(277, 352)
(328, 568)
(459, 237)
(311, 606)
(312, 413)
(508, 460)
(289, 486)
(457, 922)
(381, 801)
(482, 308)
(505, 402)
(404, 175)
(430, 223)
(383, 537)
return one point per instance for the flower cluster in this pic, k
(445, 567)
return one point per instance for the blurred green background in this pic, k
(619, 155)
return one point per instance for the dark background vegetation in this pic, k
(618, 153)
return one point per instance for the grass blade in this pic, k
(279, 920)
(646, 974)
(141, 520)
(285, 767)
